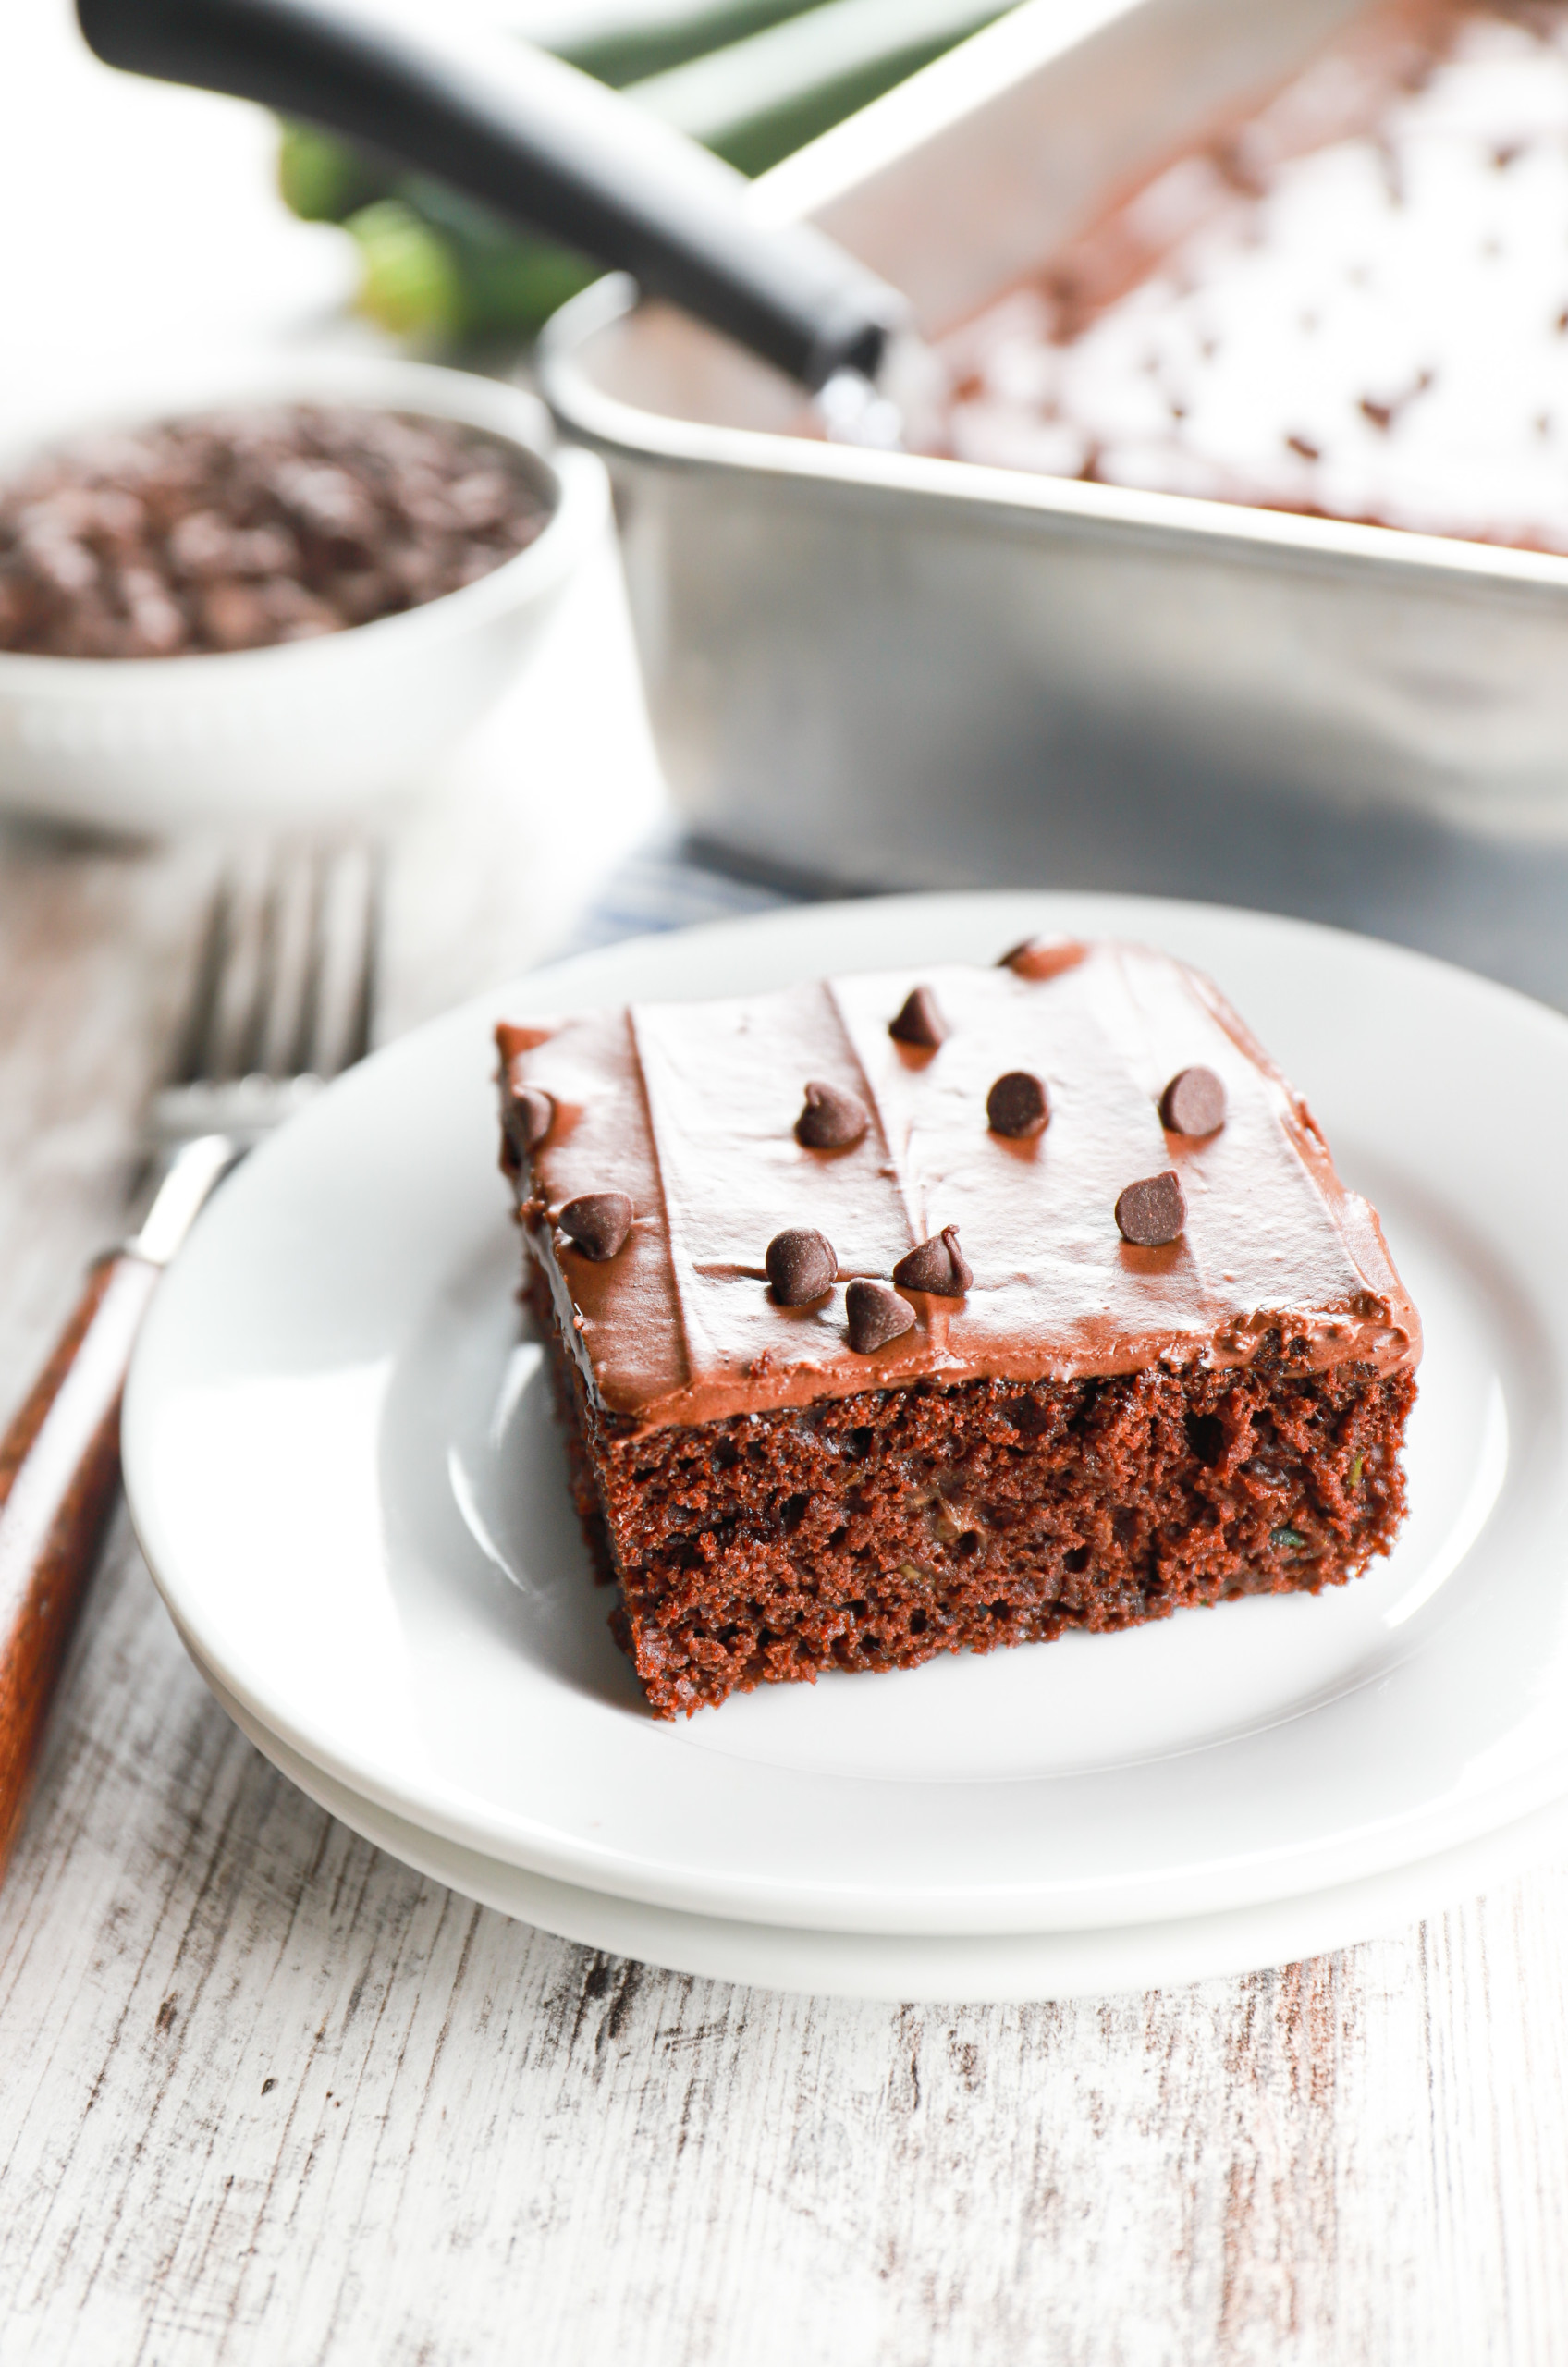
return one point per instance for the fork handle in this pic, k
(60, 1468)
(59, 1477)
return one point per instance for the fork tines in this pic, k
(285, 983)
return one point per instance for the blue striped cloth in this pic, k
(674, 880)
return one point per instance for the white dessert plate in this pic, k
(343, 1468)
(968, 1968)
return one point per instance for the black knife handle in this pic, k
(536, 140)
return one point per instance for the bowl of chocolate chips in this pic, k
(281, 595)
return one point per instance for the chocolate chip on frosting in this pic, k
(1152, 1212)
(1041, 958)
(1018, 1105)
(876, 1316)
(920, 1021)
(1192, 1103)
(597, 1222)
(529, 1115)
(938, 1266)
(802, 1264)
(831, 1118)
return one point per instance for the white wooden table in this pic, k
(266, 2095)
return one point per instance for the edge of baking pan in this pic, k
(1032, 39)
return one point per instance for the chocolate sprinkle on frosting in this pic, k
(597, 1223)
(801, 1265)
(832, 1119)
(876, 1316)
(1151, 1212)
(1192, 1103)
(920, 1021)
(1018, 1105)
(938, 1266)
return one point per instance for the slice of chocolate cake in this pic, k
(908, 1313)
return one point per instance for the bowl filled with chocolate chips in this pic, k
(283, 593)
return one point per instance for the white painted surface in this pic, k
(485, 2144)
(269, 2097)
(482, 2142)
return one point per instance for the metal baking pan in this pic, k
(893, 669)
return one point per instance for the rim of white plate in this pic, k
(1448, 1729)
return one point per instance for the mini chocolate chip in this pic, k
(802, 1264)
(1152, 1212)
(1192, 1103)
(876, 1315)
(920, 1021)
(830, 1119)
(187, 549)
(938, 1266)
(529, 1115)
(1041, 958)
(598, 1222)
(1018, 1104)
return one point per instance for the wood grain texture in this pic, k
(268, 2097)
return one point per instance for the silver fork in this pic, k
(282, 1001)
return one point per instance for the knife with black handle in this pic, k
(538, 141)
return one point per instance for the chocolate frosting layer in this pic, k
(689, 1110)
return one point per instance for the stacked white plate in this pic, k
(344, 1469)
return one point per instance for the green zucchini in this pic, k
(442, 267)
(623, 40)
(759, 100)
(413, 281)
(323, 178)
(484, 279)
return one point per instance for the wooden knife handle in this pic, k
(59, 1476)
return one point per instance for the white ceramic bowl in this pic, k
(313, 730)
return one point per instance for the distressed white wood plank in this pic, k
(474, 2126)
(94, 947)
(268, 2095)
